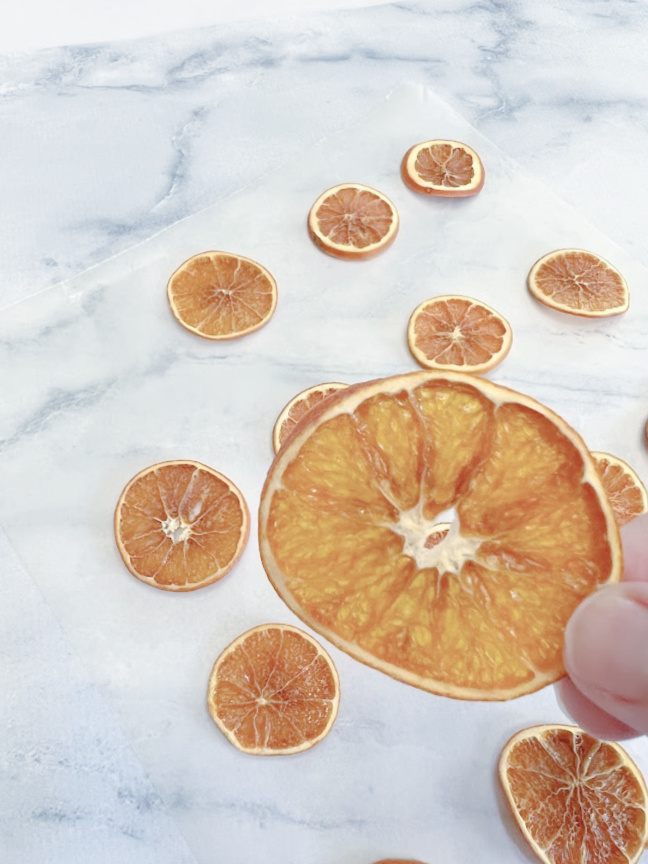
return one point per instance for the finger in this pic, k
(589, 716)
(606, 652)
(634, 537)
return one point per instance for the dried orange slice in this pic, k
(298, 407)
(180, 525)
(218, 295)
(449, 169)
(579, 282)
(353, 221)
(628, 495)
(574, 798)
(459, 334)
(274, 691)
(352, 498)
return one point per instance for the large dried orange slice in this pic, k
(353, 221)
(180, 525)
(628, 495)
(579, 282)
(298, 407)
(274, 691)
(459, 334)
(448, 169)
(575, 799)
(353, 497)
(218, 295)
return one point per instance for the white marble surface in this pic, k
(107, 145)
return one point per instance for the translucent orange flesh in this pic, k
(354, 217)
(220, 294)
(458, 332)
(578, 798)
(301, 407)
(625, 496)
(274, 691)
(180, 525)
(532, 536)
(581, 281)
(445, 165)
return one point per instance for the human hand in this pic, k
(606, 649)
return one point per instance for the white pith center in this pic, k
(176, 529)
(449, 555)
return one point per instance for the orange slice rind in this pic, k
(448, 169)
(274, 691)
(298, 407)
(627, 493)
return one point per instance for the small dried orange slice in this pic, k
(353, 221)
(274, 690)
(578, 282)
(459, 334)
(298, 407)
(180, 525)
(448, 169)
(575, 799)
(218, 295)
(628, 495)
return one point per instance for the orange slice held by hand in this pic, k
(578, 282)
(459, 334)
(274, 691)
(218, 295)
(628, 495)
(353, 221)
(298, 407)
(353, 501)
(180, 525)
(575, 799)
(448, 169)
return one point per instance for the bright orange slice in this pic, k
(298, 407)
(353, 221)
(574, 798)
(459, 334)
(274, 691)
(628, 495)
(448, 169)
(218, 295)
(579, 282)
(180, 525)
(352, 498)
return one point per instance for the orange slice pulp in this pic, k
(447, 169)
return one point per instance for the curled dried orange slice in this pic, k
(298, 407)
(274, 691)
(575, 799)
(218, 295)
(354, 495)
(448, 169)
(180, 525)
(628, 495)
(353, 221)
(578, 282)
(459, 334)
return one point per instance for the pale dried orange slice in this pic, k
(575, 799)
(628, 495)
(298, 407)
(459, 334)
(353, 221)
(219, 295)
(352, 498)
(448, 169)
(274, 691)
(578, 282)
(180, 525)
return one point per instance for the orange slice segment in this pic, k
(353, 221)
(180, 525)
(448, 169)
(459, 334)
(628, 495)
(574, 798)
(274, 691)
(218, 295)
(298, 407)
(578, 282)
(352, 498)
